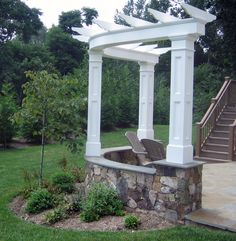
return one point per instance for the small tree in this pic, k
(54, 104)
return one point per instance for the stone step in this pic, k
(215, 147)
(214, 154)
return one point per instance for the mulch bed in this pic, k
(149, 219)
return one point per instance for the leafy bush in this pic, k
(39, 200)
(56, 215)
(63, 182)
(131, 221)
(30, 183)
(102, 200)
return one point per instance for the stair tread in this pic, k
(217, 137)
(216, 152)
(221, 124)
(226, 118)
(211, 159)
(215, 144)
(219, 131)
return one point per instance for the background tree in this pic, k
(7, 110)
(54, 104)
(17, 58)
(76, 18)
(68, 53)
(17, 19)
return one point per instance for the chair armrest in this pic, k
(140, 152)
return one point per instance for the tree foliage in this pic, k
(16, 18)
(54, 104)
(76, 18)
(7, 110)
(68, 53)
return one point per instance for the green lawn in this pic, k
(12, 164)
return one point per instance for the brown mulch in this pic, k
(149, 219)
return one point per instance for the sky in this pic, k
(53, 8)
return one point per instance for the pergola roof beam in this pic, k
(162, 17)
(87, 31)
(153, 32)
(134, 22)
(197, 13)
(131, 55)
(81, 38)
(109, 26)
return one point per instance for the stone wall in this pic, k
(171, 191)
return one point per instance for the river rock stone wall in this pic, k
(172, 191)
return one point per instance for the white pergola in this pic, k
(122, 42)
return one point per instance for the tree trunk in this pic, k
(42, 150)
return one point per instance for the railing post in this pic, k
(227, 79)
(214, 114)
(231, 142)
(198, 139)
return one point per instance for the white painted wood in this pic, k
(162, 17)
(146, 48)
(197, 13)
(88, 31)
(109, 26)
(131, 55)
(182, 33)
(147, 33)
(81, 38)
(160, 51)
(134, 22)
(180, 149)
(93, 144)
(146, 93)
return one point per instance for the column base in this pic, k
(179, 154)
(145, 134)
(93, 149)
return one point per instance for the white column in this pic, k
(93, 144)
(180, 149)
(146, 92)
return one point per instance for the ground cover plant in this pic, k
(14, 162)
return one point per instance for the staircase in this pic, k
(216, 133)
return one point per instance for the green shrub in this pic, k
(56, 215)
(39, 200)
(63, 182)
(131, 221)
(102, 200)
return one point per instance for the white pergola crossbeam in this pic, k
(134, 22)
(131, 55)
(160, 51)
(129, 46)
(109, 26)
(81, 38)
(87, 31)
(197, 13)
(162, 17)
(146, 48)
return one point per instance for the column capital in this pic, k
(95, 55)
(146, 66)
(184, 42)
